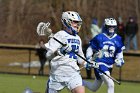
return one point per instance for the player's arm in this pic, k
(85, 63)
(93, 50)
(52, 47)
(89, 53)
(80, 52)
(119, 61)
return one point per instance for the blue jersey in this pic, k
(110, 46)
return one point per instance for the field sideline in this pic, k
(10, 83)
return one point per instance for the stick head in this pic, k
(43, 29)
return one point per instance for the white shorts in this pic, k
(70, 82)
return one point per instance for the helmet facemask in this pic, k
(110, 30)
(110, 26)
(76, 25)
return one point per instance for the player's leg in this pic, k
(109, 82)
(79, 89)
(93, 86)
(88, 72)
(97, 83)
(49, 90)
(53, 86)
(42, 65)
(134, 41)
(75, 84)
(127, 43)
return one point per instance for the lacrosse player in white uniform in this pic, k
(64, 69)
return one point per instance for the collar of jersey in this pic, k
(110, 37)
(69, 33)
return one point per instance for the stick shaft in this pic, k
(58, 41)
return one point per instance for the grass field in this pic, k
(10, 83)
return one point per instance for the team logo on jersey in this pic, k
(108, 42)
(74, 41)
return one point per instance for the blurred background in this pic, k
(19, 19)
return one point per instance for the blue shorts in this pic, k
(103, 68)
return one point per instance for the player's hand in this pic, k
(119, 62)
(66, 49)
(87, 66)
(94, 64)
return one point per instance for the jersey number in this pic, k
(75, 48)
(109, 51)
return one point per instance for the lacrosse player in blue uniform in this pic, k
(105, 49)
(64, 69)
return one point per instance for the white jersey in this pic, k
(65, 65)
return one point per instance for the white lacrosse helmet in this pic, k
(109, 24)
(70, 16)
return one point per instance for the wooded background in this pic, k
(19, 18)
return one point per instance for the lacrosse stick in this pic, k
(43, 29)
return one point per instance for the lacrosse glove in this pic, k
(92, 65)
(87, 66)
(119, 62)
(65, 50)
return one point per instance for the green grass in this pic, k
(17, 83)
